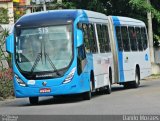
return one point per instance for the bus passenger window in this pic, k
(132, 36)
(106, 38)
(139, 40)
(144, 38)
(86, 38)
(89, 38)
(119, 40)
(92, 39)
(100, 37)
(103, 38)
(125, 39)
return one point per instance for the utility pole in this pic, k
(44, 6)
(150, 34)
(60, 2)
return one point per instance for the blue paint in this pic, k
(10, 43)
(116, 22)
(78, 84)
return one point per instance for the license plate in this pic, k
(45, 90)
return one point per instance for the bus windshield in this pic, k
(44, 49)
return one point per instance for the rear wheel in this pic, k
(133, 84)
(136, 83)
(127, 85)
(33, 100)
(108, 88)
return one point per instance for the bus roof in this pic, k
(52, 17)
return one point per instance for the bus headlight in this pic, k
(20, 82)
(70, 76)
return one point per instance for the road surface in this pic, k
(143, 100)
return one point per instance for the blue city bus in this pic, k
(64, 52)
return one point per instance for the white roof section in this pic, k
(128, 21)
(92, 14)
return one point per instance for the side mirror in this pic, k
(10, 43)
(79, 38)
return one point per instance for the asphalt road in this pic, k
(144, 100)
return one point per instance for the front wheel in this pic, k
(88, 95)
(33, 100)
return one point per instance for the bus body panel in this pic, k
(127, 61)
(78, 84)
(101, 62)
(122, 64)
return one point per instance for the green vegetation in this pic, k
(4, 19)
(132, 8)
(6, 83)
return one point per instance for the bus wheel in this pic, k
(88, 95)
(33, 100)
(108, 89)
(136, 83)
(127, 85)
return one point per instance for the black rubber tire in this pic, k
(108, 89)
(33, 100)
(127, 85)
(87, 95)
(136, 83)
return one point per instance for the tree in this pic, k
(4, 19)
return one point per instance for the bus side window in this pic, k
(103, 38)
(80, 58)
(106, 38)
(92, 39)
(132, 36)
(119, 39)
(125, 39)
(100, 37)
(139, 40)
(144, 38)
(86, 37)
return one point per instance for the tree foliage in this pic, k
(154, 8)
(4, 19)
(132, 8)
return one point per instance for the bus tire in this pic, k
(33, 100)
(88, 95)
(136, 83)
(127, 85)
(108, 90)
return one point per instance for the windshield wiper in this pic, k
(36, 61)
(53, 66)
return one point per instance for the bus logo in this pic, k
(44, 83)
(146, 57)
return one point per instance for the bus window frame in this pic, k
(32, 75)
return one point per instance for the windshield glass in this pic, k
(44, 49)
